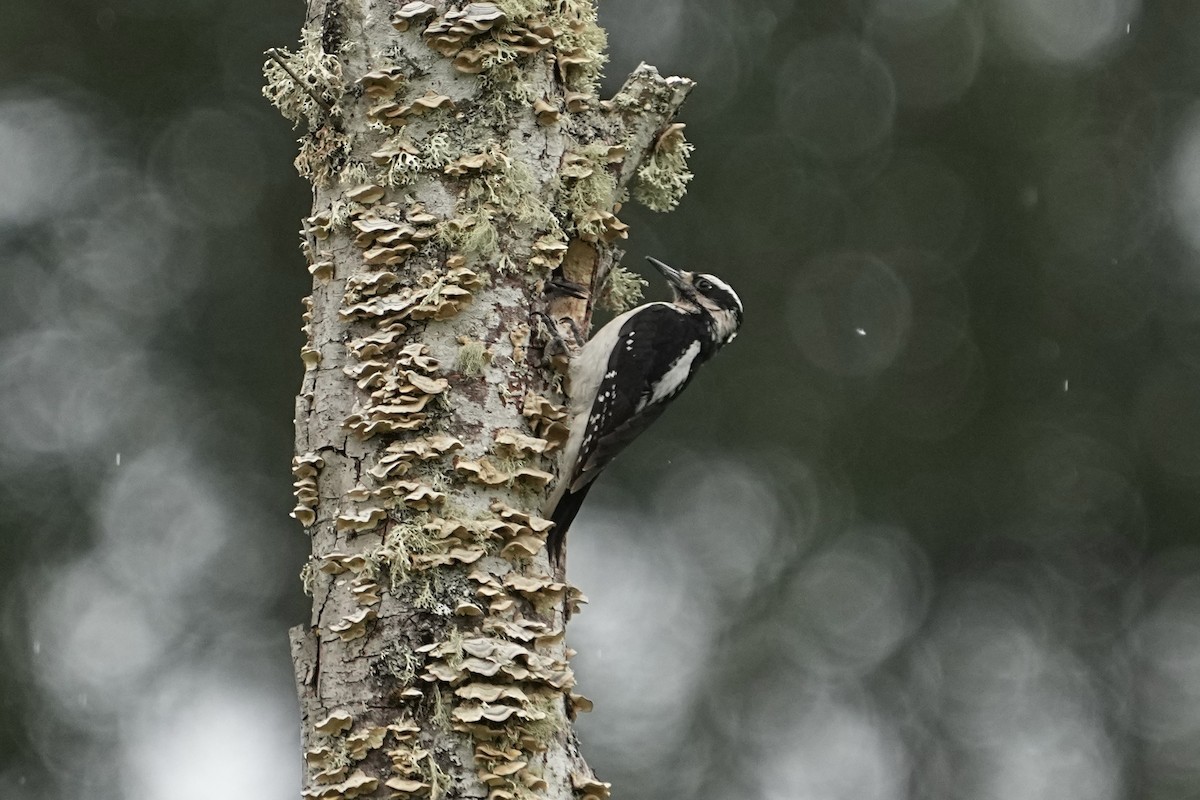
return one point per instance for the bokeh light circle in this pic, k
(933, 47)
(850, 314)
(1063, 31)
(836, 97)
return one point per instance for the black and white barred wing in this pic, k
(645, 370)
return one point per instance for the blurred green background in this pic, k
(926, 530)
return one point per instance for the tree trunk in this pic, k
(463, 172)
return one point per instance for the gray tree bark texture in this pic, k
(463, 166)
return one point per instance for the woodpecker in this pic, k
(623, 378)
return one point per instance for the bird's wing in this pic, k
(643, 353)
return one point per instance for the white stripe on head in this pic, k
(715, 281)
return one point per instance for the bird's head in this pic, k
(705, 294)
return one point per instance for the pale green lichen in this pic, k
(580, 36)
(400, 663)
(308, 574)
(627, 101)
(405, 539)
(426, 599)
(338, 757)
(594, 190)
(435, 776)
(356, 173)
(502, 188)
(506, 91)
(397, 172)
(512, 192)
(341, 211)
(520, 9)
(438, 151)
(544, 731)
(662, 181)
(308, 84)
(441, 710)
(510, 465)
(473, 234)
(322, 154)
(622, 290)
(589, 194)
(471, 358)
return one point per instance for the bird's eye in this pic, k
(704, 284)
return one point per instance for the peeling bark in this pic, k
(462, 167)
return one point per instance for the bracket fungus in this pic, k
(362, 520)
(365, 591)
(399, 457)
(398, 396)
(396, 115)
(321, 270)
(484, 472)
(517, 445)
(577, 102)
(405, 787)
(599, 224)
(365, 193)
(337, 563)
(588, 788)
(358, 784)
(334, 723)
(550, 251)
(354, 625)
(360, 743)
(546, 419)
(382, 82)
(451, 32)
(414, 494)
(305, 469)
(408, 13)
(546, 112)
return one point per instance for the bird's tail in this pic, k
(564, 514)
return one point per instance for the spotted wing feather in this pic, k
(644, 351)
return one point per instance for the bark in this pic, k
(462, 168)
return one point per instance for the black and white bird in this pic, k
(623, 378)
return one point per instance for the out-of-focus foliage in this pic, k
(927, 530)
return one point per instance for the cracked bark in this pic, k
(434, 663)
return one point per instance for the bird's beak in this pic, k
(673, 276)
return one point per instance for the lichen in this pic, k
(405, 539)
(473, 234)
(356, 172)
(425, 599)
(399, 159)
(308, 574)
(662, 180)
(441, 710)
(583, 42)
(322, 156)
(472, 357)
(592, 188)
(496, 187)
(435, 776)
(511, 190)
(320, 86)
(521, 9)
(438, 151)
(622, 290)
(505, 91)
